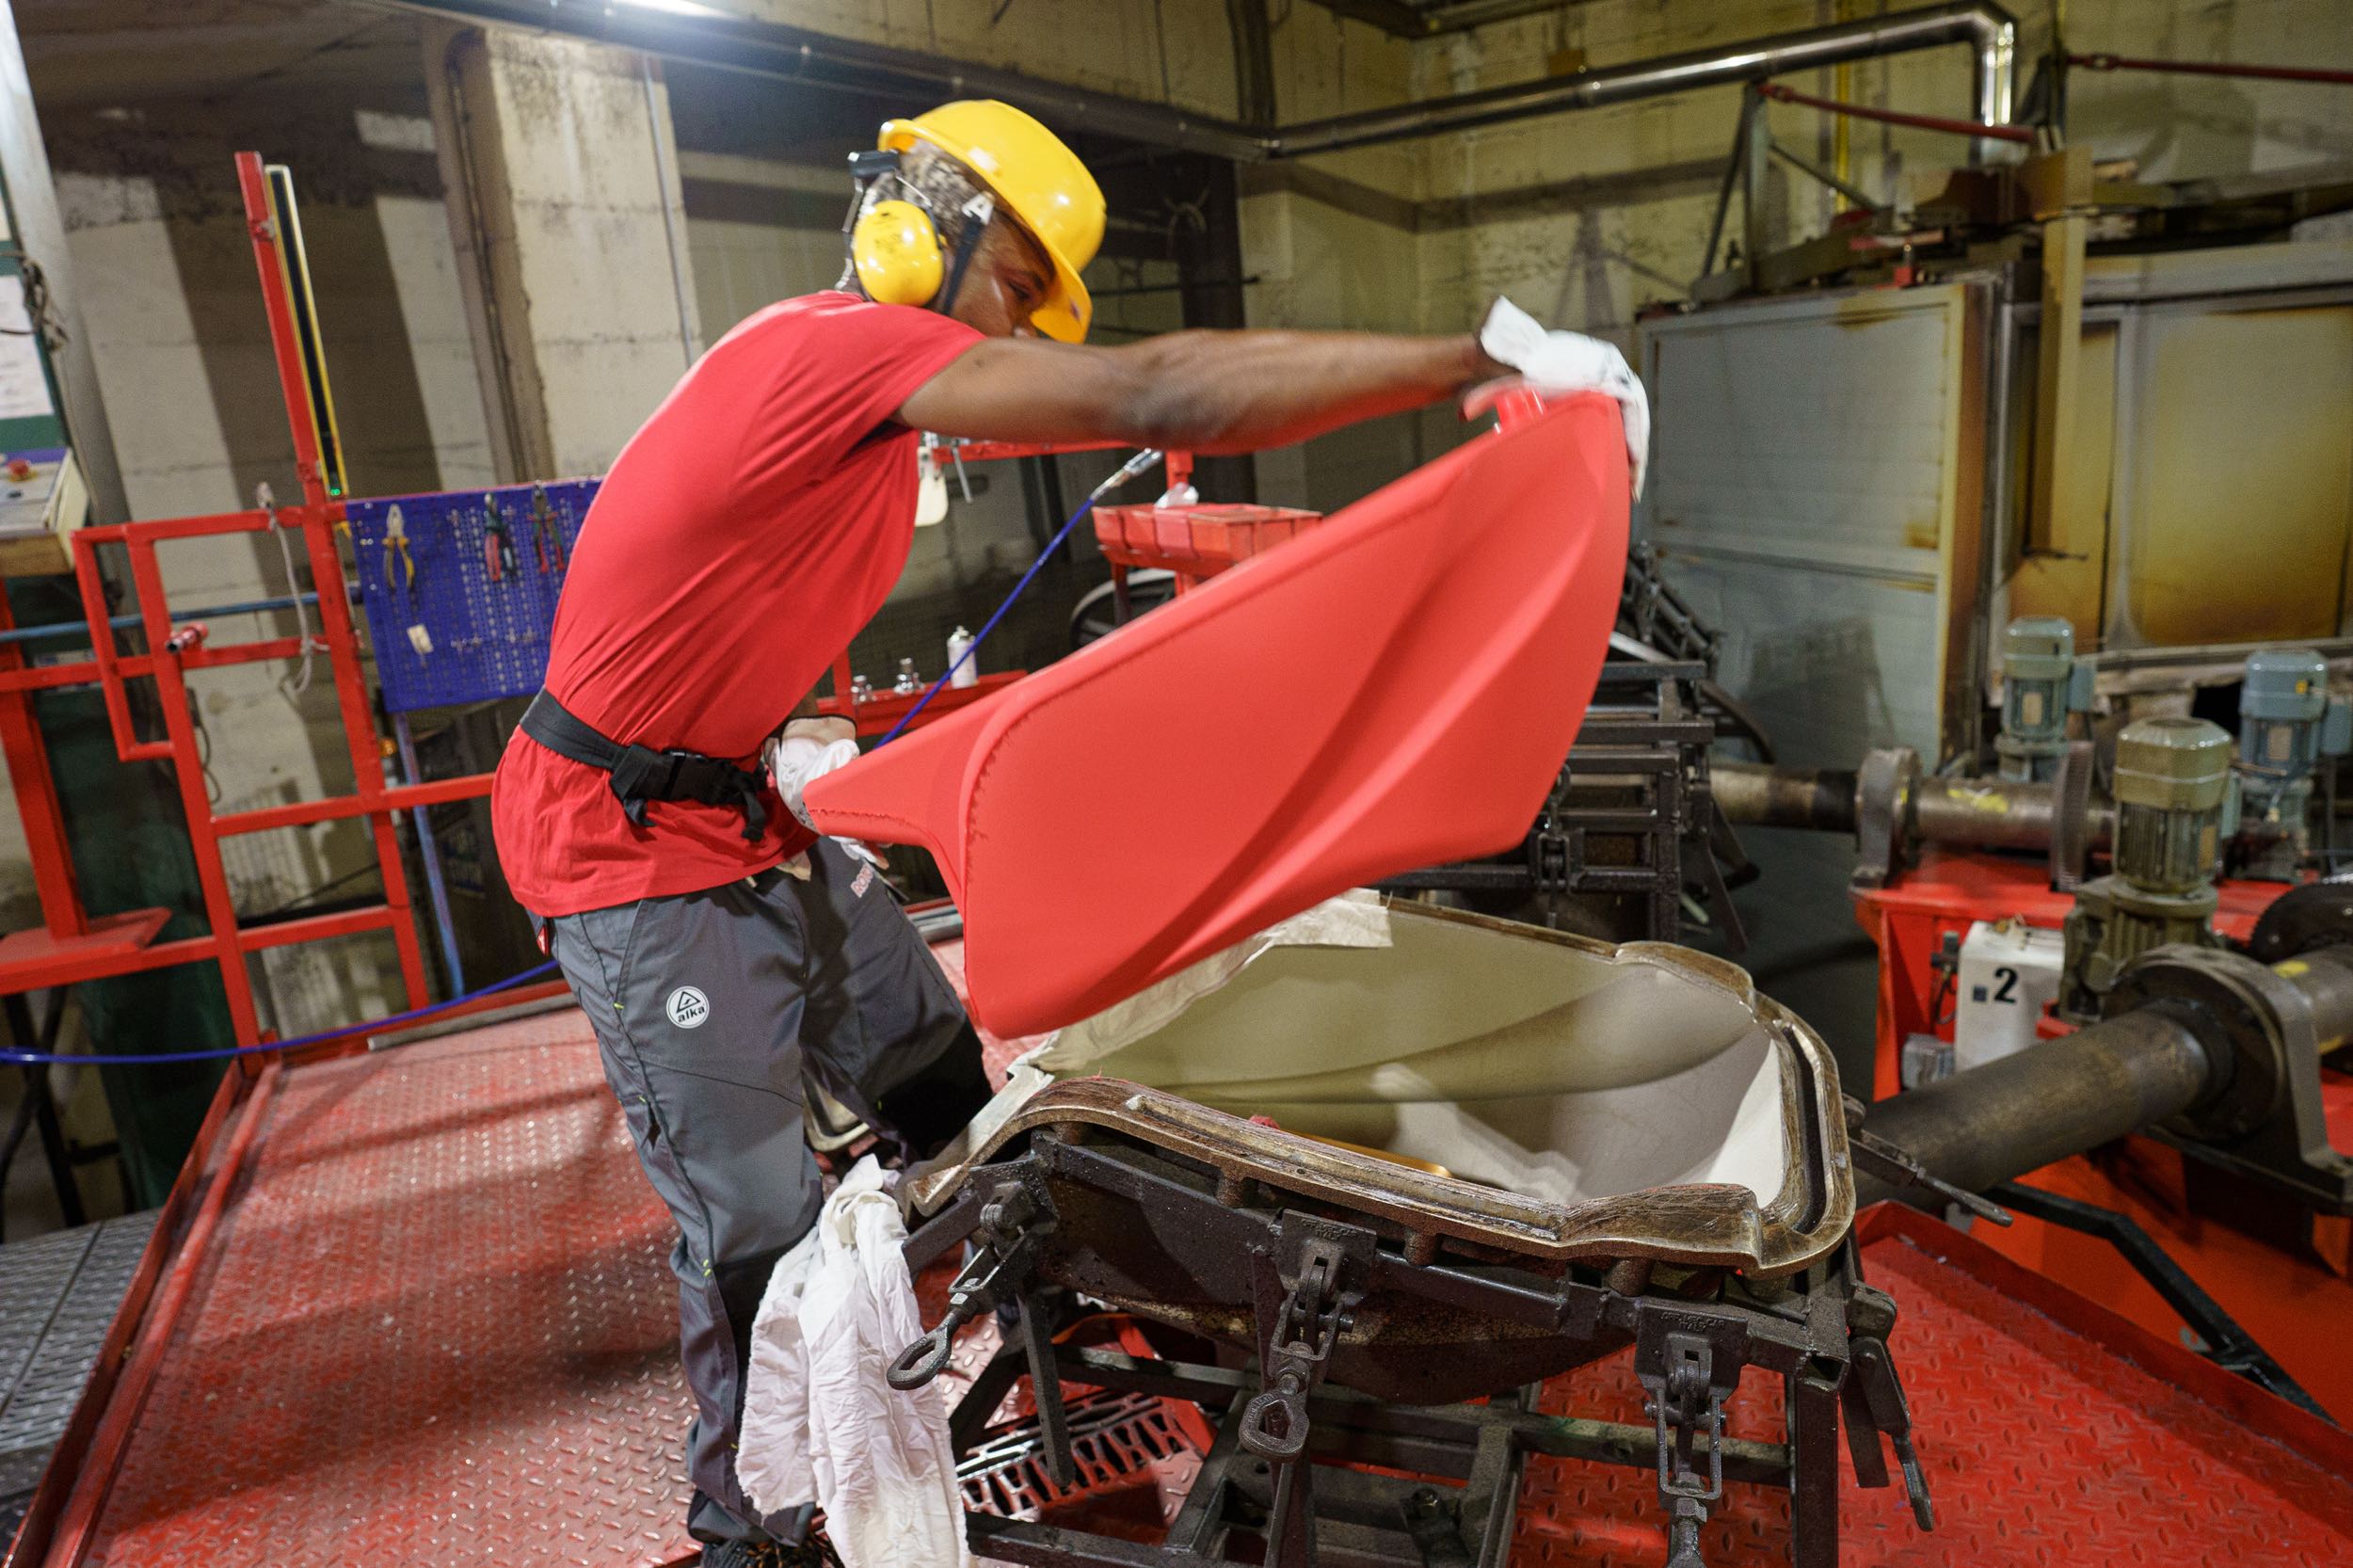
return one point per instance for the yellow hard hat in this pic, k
(1033, 175)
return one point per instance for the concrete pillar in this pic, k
(33, 195)
(563, 188)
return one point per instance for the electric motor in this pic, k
(2042, 681)
(2173, 785)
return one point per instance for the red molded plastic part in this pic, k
(1393, 688)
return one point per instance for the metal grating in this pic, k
(436, 1327)
(1112, 1437)
(58, 1294)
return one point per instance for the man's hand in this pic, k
(1562, 363)
(805, 750)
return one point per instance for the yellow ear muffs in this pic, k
(896, 251)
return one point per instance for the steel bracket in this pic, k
(1893, 1165)
(1689, 1365)
(1015, 1222)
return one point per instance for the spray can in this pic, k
(960, 643)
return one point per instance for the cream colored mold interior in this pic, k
(1561, 1072)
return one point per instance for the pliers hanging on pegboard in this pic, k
(497, 542)
(400, 565)
(547, 533)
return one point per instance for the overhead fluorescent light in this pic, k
(677, 7)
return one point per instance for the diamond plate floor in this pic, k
(2043, 1449)
(436, 1327)
(58, 1293)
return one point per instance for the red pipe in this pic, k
(2018, 134)
(262, 220)
(2214, 68)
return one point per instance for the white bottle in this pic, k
(968, 671)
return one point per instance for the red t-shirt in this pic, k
(742, 537)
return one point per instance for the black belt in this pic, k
(641, 774)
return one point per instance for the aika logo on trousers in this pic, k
(688, 1008)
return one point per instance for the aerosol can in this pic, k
(960, 643)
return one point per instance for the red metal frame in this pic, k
(71, 947)
(127, 1393)
(1945, 894)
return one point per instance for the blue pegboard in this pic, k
(454, 635)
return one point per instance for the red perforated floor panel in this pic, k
(438, 1328)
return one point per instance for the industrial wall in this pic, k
(1584, 219)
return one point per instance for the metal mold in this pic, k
(1635, 1101)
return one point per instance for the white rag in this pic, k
(820, 1424)
(1567, 363)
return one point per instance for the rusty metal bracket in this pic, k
(1301, 1314)
(1015, 1222)
(1688, 1364)
(1875, 1406)
(1892, 1165)
(1307, 1321)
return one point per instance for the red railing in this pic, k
(70, 946)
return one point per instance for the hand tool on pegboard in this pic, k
(461, 618)
(400, 565)
(547, 535)
(497, 542)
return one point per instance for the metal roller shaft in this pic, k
(2113, 1078)
(2051, 1100)
(1990, 813)
(1817, 798)
(2325, 976)
(1982, 813)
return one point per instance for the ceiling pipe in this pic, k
(798, 53)
(1990, 32)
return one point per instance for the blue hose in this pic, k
(36, 1058)
(1128, 470)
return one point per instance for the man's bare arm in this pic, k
(1206, 392)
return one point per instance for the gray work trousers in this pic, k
(709, 1008)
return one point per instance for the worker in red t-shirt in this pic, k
(725, 953)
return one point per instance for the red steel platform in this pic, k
(433, 1324)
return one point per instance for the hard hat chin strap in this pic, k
(976, 214)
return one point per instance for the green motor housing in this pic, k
(2173, 785)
